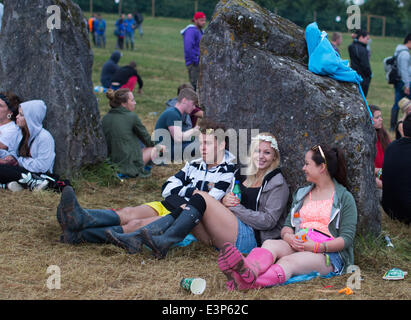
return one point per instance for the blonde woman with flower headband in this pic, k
(262, 210)
(259, 216)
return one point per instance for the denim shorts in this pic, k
(336, 262)
(245, 238)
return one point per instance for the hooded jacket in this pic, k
(271, 209)
(195, 175)
(41, 142)
(343, 218)
(404, 63)
(192, 37)
(109, 69)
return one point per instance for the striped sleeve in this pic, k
(177, 184)
(225, 180)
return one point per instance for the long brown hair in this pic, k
(382, 134)
(24, 148)
(336, 164)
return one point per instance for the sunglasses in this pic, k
(318, 147)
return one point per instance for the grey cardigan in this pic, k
(271, 210)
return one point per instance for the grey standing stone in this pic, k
(254, 75)
(56, 67)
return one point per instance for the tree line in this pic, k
(329, 14)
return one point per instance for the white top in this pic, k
(10, 136)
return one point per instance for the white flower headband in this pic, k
(273, 142)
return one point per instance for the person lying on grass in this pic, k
(259, 216)
(329, 212)
(212, 173)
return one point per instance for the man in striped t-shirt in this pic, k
(213, 173)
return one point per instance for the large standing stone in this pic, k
(54, 66)
(254, 75)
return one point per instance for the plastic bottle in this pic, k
(237, 190)
(299, 233)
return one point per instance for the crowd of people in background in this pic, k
(199, 199)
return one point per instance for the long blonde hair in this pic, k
(251, 169)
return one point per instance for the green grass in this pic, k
(380, 93)
(29, 231)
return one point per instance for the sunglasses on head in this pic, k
(318, 147)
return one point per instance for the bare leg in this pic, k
(202, 235)
(136, 224)
(219, 222)
(279, 248)
(132, 213)
(303, 263)
(148, 154)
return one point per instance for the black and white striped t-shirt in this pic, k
(195, 175)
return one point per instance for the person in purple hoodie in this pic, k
(192, 35)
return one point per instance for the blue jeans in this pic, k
(130, 37)
(245, 239)
(399, 94)
(101, 40)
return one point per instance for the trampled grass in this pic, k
(29, 231)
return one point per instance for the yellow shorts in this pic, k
(158, 206)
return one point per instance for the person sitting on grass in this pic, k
(110, 67)
(169, 126)
(123, 131)
(260, 214)
(35, 154)
(10, 134)
(329, 212)
(90, 225)
(189, 120)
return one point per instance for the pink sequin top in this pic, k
(315, 214)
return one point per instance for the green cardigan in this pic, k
(122, 130)
(343, 219)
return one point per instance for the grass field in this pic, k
(29, 232)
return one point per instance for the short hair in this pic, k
(188, 94)
(183, 86)
(407, 38)
(133, 64)
(406, 126)
(208, 126)
(336, 36)
(361, 33)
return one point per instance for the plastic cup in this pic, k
(194, 285)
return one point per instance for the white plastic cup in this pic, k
(194, 285)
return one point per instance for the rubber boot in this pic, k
(190, 216)
(132, 242)
(256, 263)
(90, 235)
(274, 275)
(72, 216)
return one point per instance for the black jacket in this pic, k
(396, 180)
(109, 69)
(360, 61)
(124, 73)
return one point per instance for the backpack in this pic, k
(392, 74)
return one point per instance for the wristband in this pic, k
(316, 247)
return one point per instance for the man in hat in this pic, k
(192, 35)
